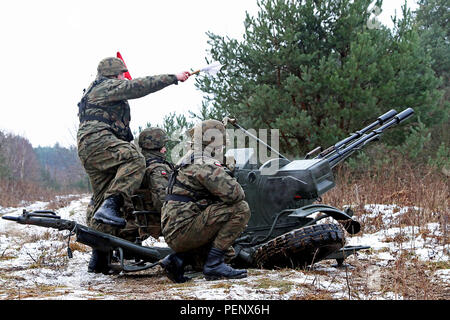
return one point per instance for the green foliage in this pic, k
(206, 112)
(442, 157)
(314, 70)
(176, 127)
(175, 124)
(432, 18)
(359, 161)
(416, 141)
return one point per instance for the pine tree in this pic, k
(315, 70)
(432, 18)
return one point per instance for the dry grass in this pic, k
(77, 246)
(38, 292)
(426, 192)
(61, 202)
(282, 285)
(412, 279)
(14, 193)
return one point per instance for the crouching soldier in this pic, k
(204, 208)
(150, 198)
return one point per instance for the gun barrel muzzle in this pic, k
(11, 218)
(405, 114)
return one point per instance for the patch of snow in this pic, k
(32, 257)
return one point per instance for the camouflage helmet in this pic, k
(152, 138)
(111, 67)
(210, 129)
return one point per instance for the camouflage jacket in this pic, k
(204, 176)
(156, 178)
(107, 106)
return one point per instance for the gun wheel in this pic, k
(300, 247)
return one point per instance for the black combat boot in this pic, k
(109, 212)
(98, 262)
(215, 267)
(174, 265)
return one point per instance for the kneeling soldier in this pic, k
(205, 207)
(152, 192)
(147, 200)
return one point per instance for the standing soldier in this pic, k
(114, 165)
(205, 208)
(152, 142)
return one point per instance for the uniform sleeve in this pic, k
(117, 90)
(159, 179)
(215, 179)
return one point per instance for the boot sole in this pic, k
(173, 279)
(170, 275)
(213, 278)
(110, 222)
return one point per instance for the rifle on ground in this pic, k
(118, 249)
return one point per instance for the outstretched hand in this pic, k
(183, 76)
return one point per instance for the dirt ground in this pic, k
(406, 263)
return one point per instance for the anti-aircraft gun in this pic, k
(286, 204)
(282, 231)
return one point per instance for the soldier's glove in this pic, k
(228, 120)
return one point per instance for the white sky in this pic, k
(50, 50)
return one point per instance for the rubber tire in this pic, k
(300, 248)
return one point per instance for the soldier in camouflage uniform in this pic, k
(205, 208)
(114, 165)
(152, 192)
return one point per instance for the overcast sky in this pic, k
(50, 51)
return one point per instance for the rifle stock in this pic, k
(146, 257)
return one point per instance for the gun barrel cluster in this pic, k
(342, 149)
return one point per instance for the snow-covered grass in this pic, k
(404, 262)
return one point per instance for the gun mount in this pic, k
(283, 201)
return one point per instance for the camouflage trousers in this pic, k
(219, 224)
(114, 167)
